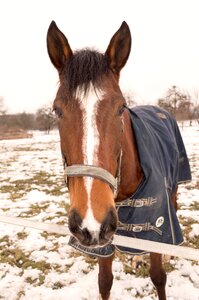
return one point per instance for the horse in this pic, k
(98, 145)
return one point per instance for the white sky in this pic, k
(165, 45)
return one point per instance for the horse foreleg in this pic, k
(158, 275)
(175, 204)
(105, 276)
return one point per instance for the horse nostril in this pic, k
(87, 235)
(109, 225)
(84, 236)
(74, 223)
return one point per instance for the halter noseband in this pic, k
(79, 170)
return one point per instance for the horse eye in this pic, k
(121, 110)
(58, 111)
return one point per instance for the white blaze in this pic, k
(89, 105)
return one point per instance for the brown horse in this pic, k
(98, 144)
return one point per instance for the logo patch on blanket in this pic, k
(149, 213)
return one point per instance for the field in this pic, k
(40, 266)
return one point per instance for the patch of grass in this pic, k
(42, 177)
(57, 285)
(16, 190)
(75, 254)
(9, 161)
(22, 235)
(41, 279)
(5, 188)
(194, 242)
(25, 185)
(189, 242)
(20, 294)
(193, 184)
(48, 234)
(56, 191)
(39, 178)
(189, 187)
(187, 221)
(143, 271)
(40, 265)
(8, 256)
(128, 269)
(168, 267)
(35, 209)
(30, 280)
(5, 239)
(65, 205)
(194, 206)
(91, 260)
(143, 268)
(18, 258)
(55, 247)
(26, 149)
(123, 257)
(187, 225)
(36, 281)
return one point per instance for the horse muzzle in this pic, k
(89, 238)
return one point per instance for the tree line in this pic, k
(44, 119)
(183, 105)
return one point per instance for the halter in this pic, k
(80, 170)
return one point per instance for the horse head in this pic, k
(89, 106)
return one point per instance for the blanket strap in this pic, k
(138, 227)
(137, 202)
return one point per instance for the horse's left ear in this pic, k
(58, 47)
(119, 48)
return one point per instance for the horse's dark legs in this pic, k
(158, 275)
(175, 204)
(105, 277)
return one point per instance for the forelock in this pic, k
(85, 68)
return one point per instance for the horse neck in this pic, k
(131, 172)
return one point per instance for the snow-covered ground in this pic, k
(40, 266)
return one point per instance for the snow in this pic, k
(195, 230)
(39, 266)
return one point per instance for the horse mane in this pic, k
(84, 68)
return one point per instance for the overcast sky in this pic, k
(165, 45)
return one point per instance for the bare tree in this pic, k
(130, 99)
(177, 102)
(45, 118)
(2, 106)
(195, 97)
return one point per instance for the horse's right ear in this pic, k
(58, 47)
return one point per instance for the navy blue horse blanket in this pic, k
(149, 213)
